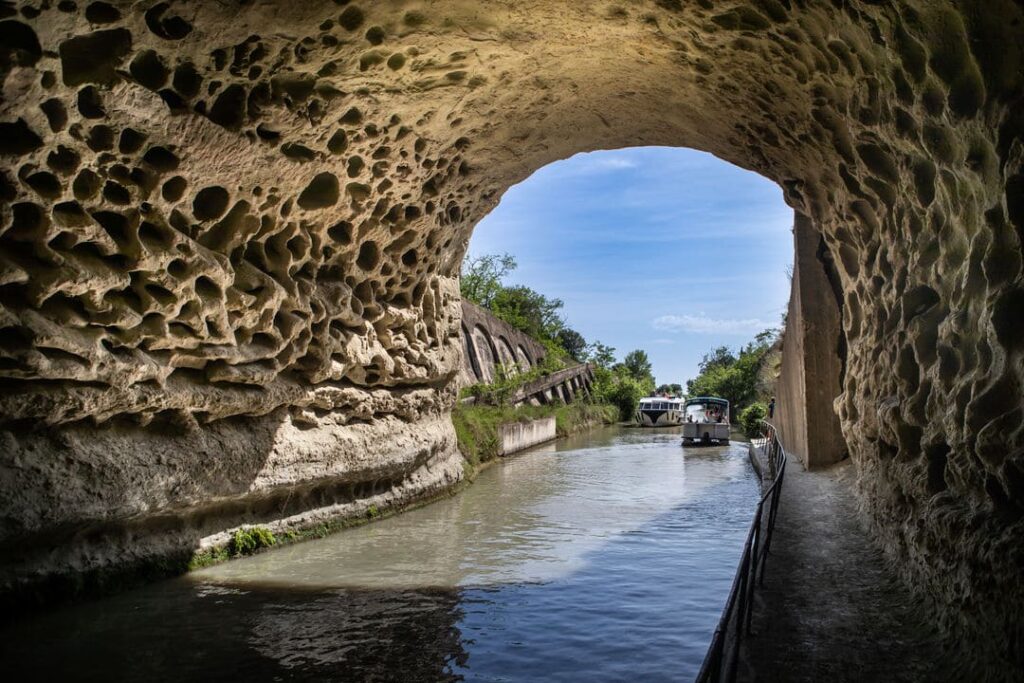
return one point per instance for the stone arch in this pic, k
(486, 354)
(506, 356)
(143, 270)
(523, 357)
(471, 354)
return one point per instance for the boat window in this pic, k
(695, 411)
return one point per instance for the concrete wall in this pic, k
(519, 436)
(812, 364)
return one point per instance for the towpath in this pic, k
(831, 609)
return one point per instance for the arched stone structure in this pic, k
(523, 358)
(506, 355)
(490, 342)
(486, 354)
(231, 232)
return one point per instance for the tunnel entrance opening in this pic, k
(675, 252)
(662, 249)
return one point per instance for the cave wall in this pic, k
(255, 211)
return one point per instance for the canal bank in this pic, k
(604, 556)
(487, 432)
(484, 434)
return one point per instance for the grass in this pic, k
(477, 427)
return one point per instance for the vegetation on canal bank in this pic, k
(477, 426)
(253, 540)
(745, 378)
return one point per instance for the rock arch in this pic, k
(221, 219)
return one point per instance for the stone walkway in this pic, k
(831, 609)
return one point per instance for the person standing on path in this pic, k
(771, 408)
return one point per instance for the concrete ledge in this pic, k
(759, 462)
(519, 436)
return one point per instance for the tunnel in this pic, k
(231, 232)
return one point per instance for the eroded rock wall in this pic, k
(219, 211)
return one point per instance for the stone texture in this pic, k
(219, 211)
(813, 355)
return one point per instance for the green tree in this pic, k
(638, 365)
(615, 383)
(601, 355)
(720, 356)
(624, 393)
(482, 277)
(734, 376)
(750, 418)
(674, 389)
(573, 343)
(529, 311)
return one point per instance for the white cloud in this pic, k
(593, 163)
(703, 324)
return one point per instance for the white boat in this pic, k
(660, 411)
(706, 420)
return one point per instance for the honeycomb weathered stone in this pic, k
(214, 210)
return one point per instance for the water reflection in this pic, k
(604, 558)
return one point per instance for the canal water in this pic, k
(603, 557)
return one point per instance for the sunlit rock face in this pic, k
(250, 216)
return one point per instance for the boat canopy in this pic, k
(707, 409)
(707, 400)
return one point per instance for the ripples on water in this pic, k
(605, 558)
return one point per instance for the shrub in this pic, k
(750, 418)
(624, 393)
(248, 541)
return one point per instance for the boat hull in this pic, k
(705, 432)
(659, 418)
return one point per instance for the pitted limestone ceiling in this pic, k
(264, 194)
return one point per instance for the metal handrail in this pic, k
(722, 656)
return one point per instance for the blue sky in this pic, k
(666, 249)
